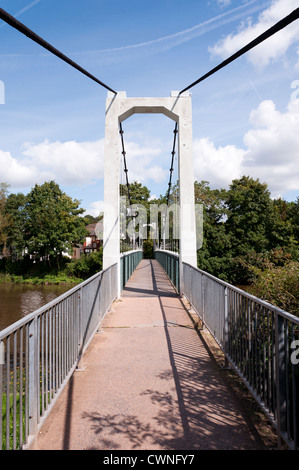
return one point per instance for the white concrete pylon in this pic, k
(119, 108)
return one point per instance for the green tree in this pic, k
(86, 266)
(259, 228)
(139, 194)
(15, 230)
(293, 214)
(4, 222)
(249, 215)
(90, 219)
(53, 222)
(214, 255)
(173, 201)
(279, 285)
(282, 230)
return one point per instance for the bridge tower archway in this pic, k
(177, 107)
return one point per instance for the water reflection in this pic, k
(17, 301)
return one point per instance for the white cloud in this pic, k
(273, 146)
(68, 162)
(82, 162)
(18, 174)
(216, 165)
(76, 163)
(271, 49)
(95, 208)
(270, 153)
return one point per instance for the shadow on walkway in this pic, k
(149, 383)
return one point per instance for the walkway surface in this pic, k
(148, 382)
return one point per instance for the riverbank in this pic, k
(48, 279)
(26, 271)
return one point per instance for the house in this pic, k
(95, 238)
(92, 242)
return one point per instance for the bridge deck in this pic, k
(149, 382)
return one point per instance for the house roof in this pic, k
(95, 228)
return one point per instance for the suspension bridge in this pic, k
(140, 355)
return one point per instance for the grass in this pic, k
(16, 411)
(18, 405)
(48, 279)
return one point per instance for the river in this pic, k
(18, 300)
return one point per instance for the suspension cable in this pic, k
(274, 29)
(172, 161)
(125, 162)
(31, 35)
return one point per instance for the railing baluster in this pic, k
(22, 383)
(2, 362)
(295, 377)
(8, 392)
(14, 392)
(42, 374)
(280, 374)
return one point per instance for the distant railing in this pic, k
(260, 342)
(170, 263)
(39, 353)
(128, 263)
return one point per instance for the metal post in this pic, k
(226, 327)
(280, 351)
(33, 399)
(203, 300)
(80, 365)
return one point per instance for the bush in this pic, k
(86, 266)
(279, 285)
(148, 249)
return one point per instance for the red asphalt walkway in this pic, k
(148, 382)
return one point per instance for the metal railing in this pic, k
(128, 263)
(170, 263)
(259, 340)
(39, 353)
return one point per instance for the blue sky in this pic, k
(245, 117)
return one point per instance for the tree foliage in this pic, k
(53, 223)
(45, 223)
(243, 227)
(139, 198)
(86, 265)
(249, 215)
(139, 194)
(4, 220)
(15, 230)
(279, 285)
(215, 251)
